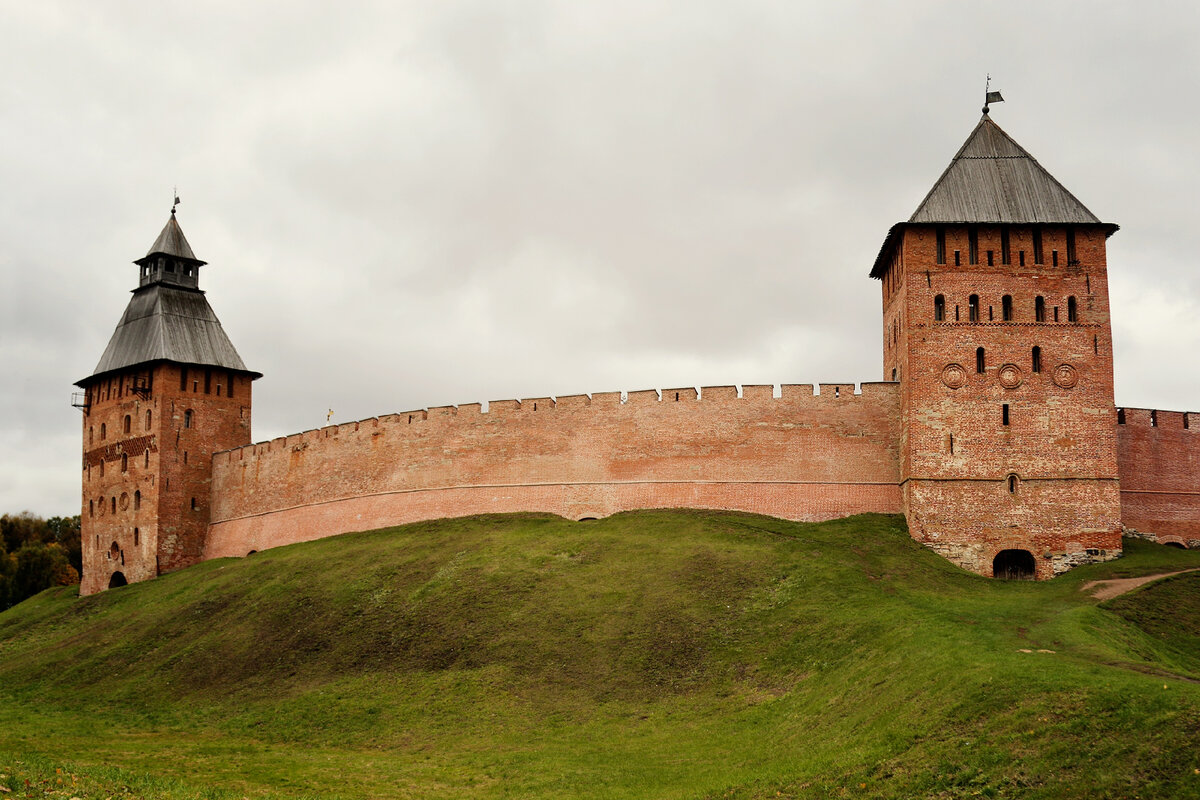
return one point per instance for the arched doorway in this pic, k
(1014, 565)
(117, 579)
(1180, 545)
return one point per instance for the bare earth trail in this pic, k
(1108, 589)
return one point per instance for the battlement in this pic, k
(1158, 418)
(816, 396)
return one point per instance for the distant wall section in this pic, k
(800, 456)
(1158, 458)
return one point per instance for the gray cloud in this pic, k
(427, 203)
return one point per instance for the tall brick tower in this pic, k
(996, 324)
(169, 391)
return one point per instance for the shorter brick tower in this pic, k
(169, 391)
(996, 325)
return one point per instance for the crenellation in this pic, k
(718, 394)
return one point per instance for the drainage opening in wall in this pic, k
(1014, 565)
(1179, 545)
(587, 519)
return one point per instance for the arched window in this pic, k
(187, 418)
(136, 537)
(91, 508)
(103, 431)
(1006, 306)
(147, 419)
(147, 457)
(101, 467)
(137, 502)
(91, 434)
(973, 308)
(1039, 309)
(124, 462)
(939, 308)
(128, 423)
(1012, 484)
(980, 361)
(193, 504)
(1072, 310)
(1037, 359)
(114, 504)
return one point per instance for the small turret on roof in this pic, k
(172, 242)
(992, 180)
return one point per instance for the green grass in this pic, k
(653, 654)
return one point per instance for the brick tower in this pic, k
(996, 324)
(169, 391)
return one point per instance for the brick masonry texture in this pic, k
(800, 456)
(1159, 463)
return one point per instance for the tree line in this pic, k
(37, 553)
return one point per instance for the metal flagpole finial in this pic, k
(177, 201)
(989, 96)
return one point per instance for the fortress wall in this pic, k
(800, 456)
(1159, 465)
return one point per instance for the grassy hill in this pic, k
(653, 654)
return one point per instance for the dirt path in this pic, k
(1106, 590)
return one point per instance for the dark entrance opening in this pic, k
(117, 579)
(1175, 544)
(1014, 565)
(587, 519)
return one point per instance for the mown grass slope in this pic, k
(663, 654)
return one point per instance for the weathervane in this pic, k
(178, 201)
(989, 96)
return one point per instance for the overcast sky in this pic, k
(406, 204)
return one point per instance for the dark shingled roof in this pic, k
(993, 180)
(163, 323)
(172, 242)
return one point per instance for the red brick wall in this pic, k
(801, 456)
(1060, 441)
(170, 533)
(1160, 474)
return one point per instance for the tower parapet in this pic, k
(168, 392)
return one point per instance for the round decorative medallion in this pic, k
(954, 376)
(1010, 376)
(124, 501)
(1065, 376)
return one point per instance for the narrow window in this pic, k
(1006, 308)
(1004, 414)
(1153, 419)
(103, 431)
(991, 258)
(1039, 309)
(1005, 255)
(1072, 309)
(941, 245)
(952, 444)
(147, 455)
(137, 500)
(1022, 258)
(973, 245)
(1095, 344)
(147, 419)
(1186, 416)
(136, 537)
(1054, 257)
(979, 360)
(956, 313)
(991, 314)
(1037, 246)
(894, 374)
(1120, 416)
(187, 418)
(185, 460)
(1088, 282)
(973, 308)
(1012, 484)
(208, 380)
(1056, 313)
(91, 434)
(1072, 260)
(91, 508)
(101, 467)
(128, 423)
(958, 258)
(193, 504)
(114, 504)
(939, 308)
(1037, 359)
(196, 385)
(124, 462)
(183, 379)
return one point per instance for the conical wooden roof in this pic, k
(993, 179)
(172, 242)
